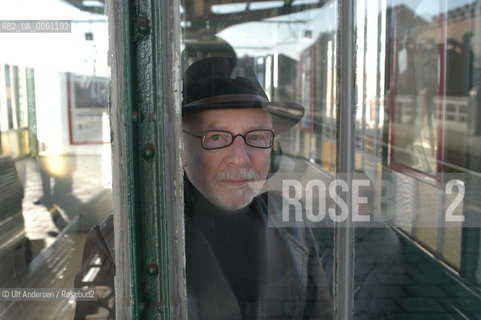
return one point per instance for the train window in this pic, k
(244, 62)
(414, 195)
(55, 167)
(417, 140)
(432, 86)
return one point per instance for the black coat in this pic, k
(290, 281)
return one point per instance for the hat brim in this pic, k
(284, 114)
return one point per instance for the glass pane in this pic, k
(55, 166)
(418, 143)
(238, 248)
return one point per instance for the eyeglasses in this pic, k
(217, 139)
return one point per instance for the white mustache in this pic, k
(237, 174)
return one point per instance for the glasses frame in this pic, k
(234, 136)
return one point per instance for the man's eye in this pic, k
(257, 137)
(215, 137)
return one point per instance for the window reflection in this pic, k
(425, 92)
(417, 128)
(54, 148)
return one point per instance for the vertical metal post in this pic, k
(346, 107)
(147, 166)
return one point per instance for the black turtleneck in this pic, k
(236, 239)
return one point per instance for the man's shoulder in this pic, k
(280, 209)
(272, 203)
(271, 195)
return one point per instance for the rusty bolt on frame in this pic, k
(152, 269)
(144, 25)
(149, 151)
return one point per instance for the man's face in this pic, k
(232, 176)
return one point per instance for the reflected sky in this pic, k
(64, 52)
(430, 8)
(286, 34)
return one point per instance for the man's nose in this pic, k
(239, 152)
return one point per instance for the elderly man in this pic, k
(238, 265)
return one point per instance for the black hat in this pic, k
(217, 83)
